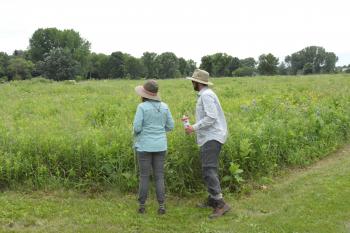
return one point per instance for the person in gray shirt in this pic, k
(211, 131)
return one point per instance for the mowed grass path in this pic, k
(316, 199)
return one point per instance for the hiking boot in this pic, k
(208, 203)
(161, 211)
(141, 210)
(221, 209)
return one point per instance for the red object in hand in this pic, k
(189, 129)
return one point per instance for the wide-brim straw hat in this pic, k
(149, 90)
(200, 76)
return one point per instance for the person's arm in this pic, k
(138, 120)
(211, 113)
(169, 122)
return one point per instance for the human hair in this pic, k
(144, 99)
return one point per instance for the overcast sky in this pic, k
(190, 29)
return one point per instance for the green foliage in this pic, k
(59, 65)
(307, 69)
(234, 178)
(220, 64)
(3, 79)
(119, 65)
(78, 78)
(134, 67)
(4, 62)
(312, 59)
(307, 200)
(78, 47)
(186, 68)
(19, 68)
(244, 71)
(190, 67)
(207, 64)
(182, 66)
(150, 66)
(149, 61)
(329, 63)
(98, 66)
(268, 64)
(43, 41)
(116, 65)
(40, 79)
(80, 134)
(248, 62)
(168, 65)
(282, 69)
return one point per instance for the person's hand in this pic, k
(189, 129)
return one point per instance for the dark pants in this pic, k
(209, 154)
(154, 160)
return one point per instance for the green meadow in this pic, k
(79, 135)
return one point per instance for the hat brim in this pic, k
(199, 81)
(141, 92)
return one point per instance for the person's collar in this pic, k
(201, 91)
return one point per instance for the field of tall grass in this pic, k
(66, 134)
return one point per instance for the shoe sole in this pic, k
(225, 211)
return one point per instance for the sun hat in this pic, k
(149, 90)
(200, 76)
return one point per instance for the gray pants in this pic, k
(209, 154)
(154, 160)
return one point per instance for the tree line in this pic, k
(65, 55)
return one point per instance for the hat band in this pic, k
(149, 93)
(201, 79)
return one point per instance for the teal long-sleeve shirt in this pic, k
(152, 120)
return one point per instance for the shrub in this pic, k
(40, 79)
(81, 135)
(3, 79)
(244, 71)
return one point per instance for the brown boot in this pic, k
(141, 210)
(220, 209)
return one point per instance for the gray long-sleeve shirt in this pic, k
(210, 119)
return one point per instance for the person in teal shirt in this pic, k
(151, 122)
